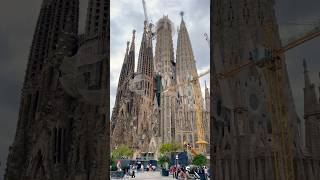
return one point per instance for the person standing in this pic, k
(182, 175)
(174, 170)
(202, 174)
(206, 172)
(119, 166)
(133, 175)
(142, 168)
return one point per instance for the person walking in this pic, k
(133, 175)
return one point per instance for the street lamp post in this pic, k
(176, 173)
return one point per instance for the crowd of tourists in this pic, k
(183, 173)
(133, 168)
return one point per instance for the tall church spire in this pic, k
(306, 73)
(164, 59)
(133, 40)
(145, 61)
(131, 56)
(52, 21)
(310, 97)
(186, 65)
(145, 77)
(124, 66)
(164, 55)
(55, 16)
(126, 74)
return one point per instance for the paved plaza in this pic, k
(149, 175)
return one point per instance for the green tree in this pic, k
(121, 151)
(163, 159)
(170, 147)
(199, 160)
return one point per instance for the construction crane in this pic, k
(276, 53)
(194, 81)
(150, 25)
(145, 11)
(174, 87)
(272, 68)
(190, 148)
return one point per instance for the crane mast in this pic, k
(198, 112)
(193, 82)
(272, 69)
(145, 11)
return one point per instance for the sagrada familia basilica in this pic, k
(144, 116)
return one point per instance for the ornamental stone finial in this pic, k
(181, 14)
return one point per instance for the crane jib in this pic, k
(257, 53)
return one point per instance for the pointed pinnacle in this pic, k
(181, 14)
(133, 38)
(128, 42)
(145, 24)
(305, 67)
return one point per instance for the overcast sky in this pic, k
(18, 19)
(124, 20)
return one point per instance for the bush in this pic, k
(199, 160)
(121, 151)
(163, 159)
(113, 166)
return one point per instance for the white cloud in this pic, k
(128, 15)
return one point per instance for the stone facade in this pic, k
(124, 100)
(186, 128)
(242, 144)
(62, 128)
(165, 67)
(160, 117)
(312, 127)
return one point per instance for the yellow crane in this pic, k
(190, 148)
(193, 82)
(272, 69)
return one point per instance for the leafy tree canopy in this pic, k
(163, 159)
(170, 147)
(199, 160)
(122, 151)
